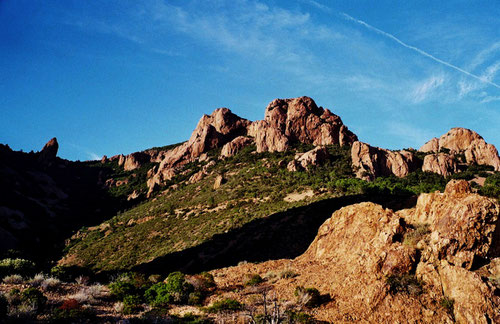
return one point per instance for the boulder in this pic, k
(440, 163)
(212, 131)
(463, 225)
(48, 153)
(219, 180)
(314, 157)
(267, 138)
(465, 141)
(135, 160)
(233, 147)
(371, 162)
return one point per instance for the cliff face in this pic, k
(467, 142)
(443, 156)
(370, 162)
(449, 244)
(286, 121)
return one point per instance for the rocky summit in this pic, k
(289, 219)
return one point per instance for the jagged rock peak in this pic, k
(301, 120)
(49, 152)
(371, 162)
(462, 140)
(286, 121)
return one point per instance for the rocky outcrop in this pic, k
(371, 162)
(286, 121)
(440, 163)
(233, 147)
(364, 258)
(212, 131)
(219, 180)
(296, 120)
(463, 224)
(135, 160)
(467, 142)
(314, 157)
(49, 152)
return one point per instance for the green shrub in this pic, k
(132, 304)
(287, 274)
(253, 280)
(174, 290)
(121, 289)
(35, 297)
(16, 266)
(447, 304)
(491, 186)
(299, 317)
(69, 273)
(406, 283)
(310, 297)
(225, 305)
(196, 298)
(413, 237)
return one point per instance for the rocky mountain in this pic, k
(413, 234)
(447, 155)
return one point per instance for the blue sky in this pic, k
(109, 77)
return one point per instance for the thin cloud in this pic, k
(423, 90)
(416, 49)
(466, 87)
(490, 99)
(317, 5)
(482, 56)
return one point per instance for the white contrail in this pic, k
(418, 50)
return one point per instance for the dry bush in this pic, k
(14, 279)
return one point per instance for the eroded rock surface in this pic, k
(233, 147)
(314, 157)
(371, 162)
(461, 140)
(440, 163)
(287, 121)
(362, 245)
(295, 120)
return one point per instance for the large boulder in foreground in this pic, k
(464, 226)
(380, 266)
(465, 141)
(370, 162)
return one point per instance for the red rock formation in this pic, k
(298, 120)
(233, 147)
(49, 152)
(441, 163)
(362, 245)
(135, 160)
(371, 162)
(462, 140)
(286, 121)
(310, 158)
